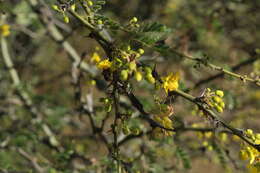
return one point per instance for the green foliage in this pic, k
(165, 78)
(220, 154)
(153, 34)
(184, 157)
(150, 33)
(5, 160)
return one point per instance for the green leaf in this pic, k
(183, 155)
(154, 27)
(151, 33)
(220, 154)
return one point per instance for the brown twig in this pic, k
(221, 74)
(32, 160)
(23, 95)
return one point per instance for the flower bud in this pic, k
(219, 109)
(147, 70)
(141, 51)
(138, 76)
(135, 131)
(134, 20)
(219, 93)
(126, 130)
(210, 148)
(106, 100)
(222, 104)
(205, 143)
(66, 19)
(216, 99)
(55, 7)
(137, 55)
(73, 7)
(92, 82)
(124, 75)
(100, 22)
(132, 66)
(90, 3)
(128, 48)
(150, 78)
(249, 132)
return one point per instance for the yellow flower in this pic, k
(164, 121)
(257, 140)
(243, 155)
(104, 64)
(5, 30)
(249, 153)
(252, 155)
(95, 58)
(170, 82)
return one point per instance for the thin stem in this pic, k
(24, 96)
(215, 117)
(221, 74)
(56, 35)
(244, 78)
(32, 160)
(8, 62)
(115, 123)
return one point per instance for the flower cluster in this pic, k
(128, 129)
(101, 64)
(164, 119)
(89, 6)
(214, 99)
(250, 153)
(107, 103)
(124, 62)
(133, 23)
(148, 75)
(255, 137)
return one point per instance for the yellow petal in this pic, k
(105, 64)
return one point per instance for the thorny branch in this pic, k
(24, 95)
(205, 62)
(221, 74)
(31, 159)
(186, 96)
(107, 45)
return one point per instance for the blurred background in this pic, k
(226, 31)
